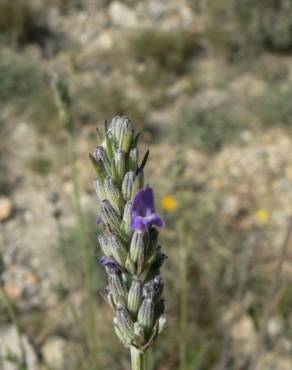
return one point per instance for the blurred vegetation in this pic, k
(24, 84)
(168, 51)
(40, 164)
(101, 101)
(69, 252)
(274, 106)
(208, 129)
(20, 79)
(237, 27)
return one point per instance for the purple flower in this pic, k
(143, 211)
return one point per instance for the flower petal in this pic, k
(143, 224)
(138, 224)
(143, 203)
(157, 221)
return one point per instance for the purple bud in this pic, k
(110, 265)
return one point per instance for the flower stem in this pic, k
(138, 359)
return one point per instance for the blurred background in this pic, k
(209, 84)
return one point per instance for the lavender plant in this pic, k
(132, 256)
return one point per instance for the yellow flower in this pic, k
(262, 216)
(169, 203)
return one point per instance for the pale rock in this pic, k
(273, 361)
(10, 343)
(105, 41)
(230, 205)
(13, 291)
(6, 208)
(121, 15)
(60, 354)
(249, 85)
(242, 330)
(210, 98)
(52, 352)
(275, 327)
(20, 281)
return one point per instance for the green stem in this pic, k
(138, 359)
(87, 258)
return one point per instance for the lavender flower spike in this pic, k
(129, 240)
(143, 211)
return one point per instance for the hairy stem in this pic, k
(138, 359)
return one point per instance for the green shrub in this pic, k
(249, 25)
(101, 101)
(19, 79)
(167, 50)
(208, 129)
(274, 106)
(24, 86)
(41, 165)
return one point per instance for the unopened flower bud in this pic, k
(109, 216)
(139, 334)
(98, 166)
(117, 288)
(122, 337)
(133, 159)
(153, 289)
(122, 131)
(135, 297)
(109, 146)
(125, 323)
(138, 183)
(139, 331)
(105, 244)
(138, 248)
(118, 249)
(113, 194)
(127, 220)
(125, 139)
(146, 314)
(117, 124)
(99, 188)
(120, 164)
(101, 157)
(130, 265)
(127, 185)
